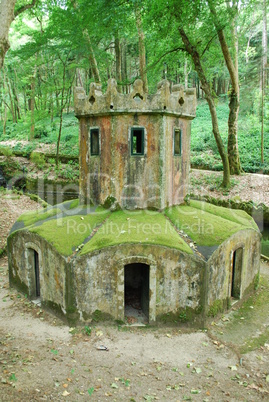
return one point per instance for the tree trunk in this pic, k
(93, 63)
(11, 100)
(5, 106)
(32, 109)
(62, 106)
(264, 43)
(233, 153)
(16, 98)
(186, 74)
(142, 50)
(263, 75)
(210, 100)
(118, 61)
(124, 66)
(6, 18)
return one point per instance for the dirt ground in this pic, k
(41, 359)
(246, 187)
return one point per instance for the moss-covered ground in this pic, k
(68, 226)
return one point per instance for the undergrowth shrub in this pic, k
(38, 159)
(6, 151)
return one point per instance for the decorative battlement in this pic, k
(175, 101)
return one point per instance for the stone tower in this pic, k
(135, 148)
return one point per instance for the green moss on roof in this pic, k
(30, 217)
(136, 227)
(206, 224)
(233, 215)
(67, 233)
(209, 225)
(74, 204)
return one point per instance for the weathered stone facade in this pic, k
(135, 155)
(157, 176)
(78, 287)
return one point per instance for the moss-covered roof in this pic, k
(207, 224)
(145, 227)
(70, 227)
(30, 217)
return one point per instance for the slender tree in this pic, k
(232, 66)
(263, 74)
(141, 45)
(205, 85)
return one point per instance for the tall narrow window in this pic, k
(37, 276)
(177, 142)
(137, 141)
(94, 138)
(236, 272)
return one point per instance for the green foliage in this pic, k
(98, 316)
(10, 167)
(87, 330)
(70, 34)
(3, 251)
(6, 151)
(38, 159)
(68, 172)
(215, 308)
(204, 153)
(256, 281)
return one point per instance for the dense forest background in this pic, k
(217, 46)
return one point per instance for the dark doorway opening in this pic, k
(237, 260)
(37, 275)
(136, 292)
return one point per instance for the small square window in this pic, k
(137, 141)
(94, 139)
(177, 142)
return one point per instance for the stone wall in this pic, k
(156, 179)
(180, 286)
(220, 267)
(53, 269)
(176, 280)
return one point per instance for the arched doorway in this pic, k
(136, 292)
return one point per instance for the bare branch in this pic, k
(208, 44)
(165, 54)
(24, 8)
